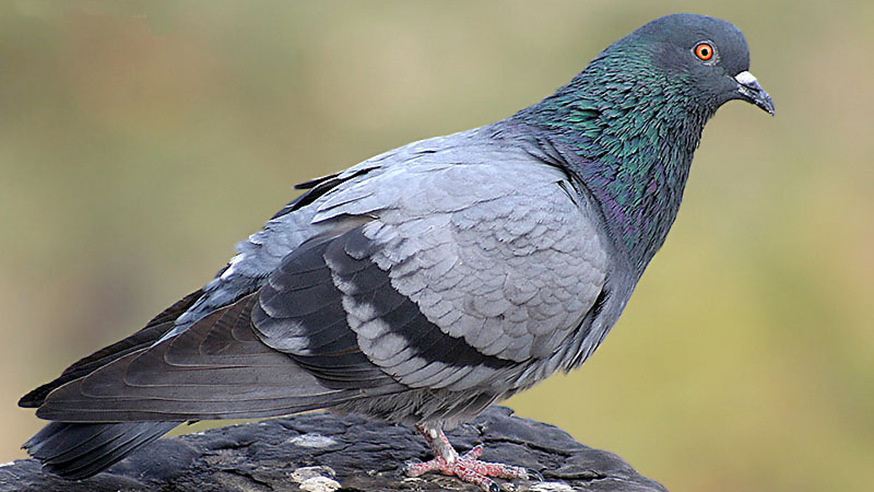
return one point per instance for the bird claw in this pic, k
(467, 466)
(534, 474)
(469, 469)
(409, 467)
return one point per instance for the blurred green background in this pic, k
(140, 140)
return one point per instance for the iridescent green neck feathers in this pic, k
(631, 133)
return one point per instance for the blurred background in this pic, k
(140, 140)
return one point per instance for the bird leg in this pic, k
(466, 467)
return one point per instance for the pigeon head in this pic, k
(707, 57)
(629, 123)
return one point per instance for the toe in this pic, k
(474, 453)
(534, 474)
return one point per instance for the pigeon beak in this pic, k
(751, 91)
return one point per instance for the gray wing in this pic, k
(468, 269)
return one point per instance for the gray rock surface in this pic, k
(323, 452)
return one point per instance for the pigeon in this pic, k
(428, 282)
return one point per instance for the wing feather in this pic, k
(217, 368)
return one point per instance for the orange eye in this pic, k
(704, 51)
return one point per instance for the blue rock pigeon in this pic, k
(428, 282)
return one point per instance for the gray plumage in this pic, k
(418, 286)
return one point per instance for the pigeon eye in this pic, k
(704, 51)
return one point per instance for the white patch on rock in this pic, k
(312, 441)
(308, 472)
(551, 487)
(314, 479)
(319, 484)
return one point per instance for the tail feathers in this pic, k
(76, 451)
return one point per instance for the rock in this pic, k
(323, 452)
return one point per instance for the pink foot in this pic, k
(466, 467)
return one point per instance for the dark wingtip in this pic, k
(27, 401)
(34, 398)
